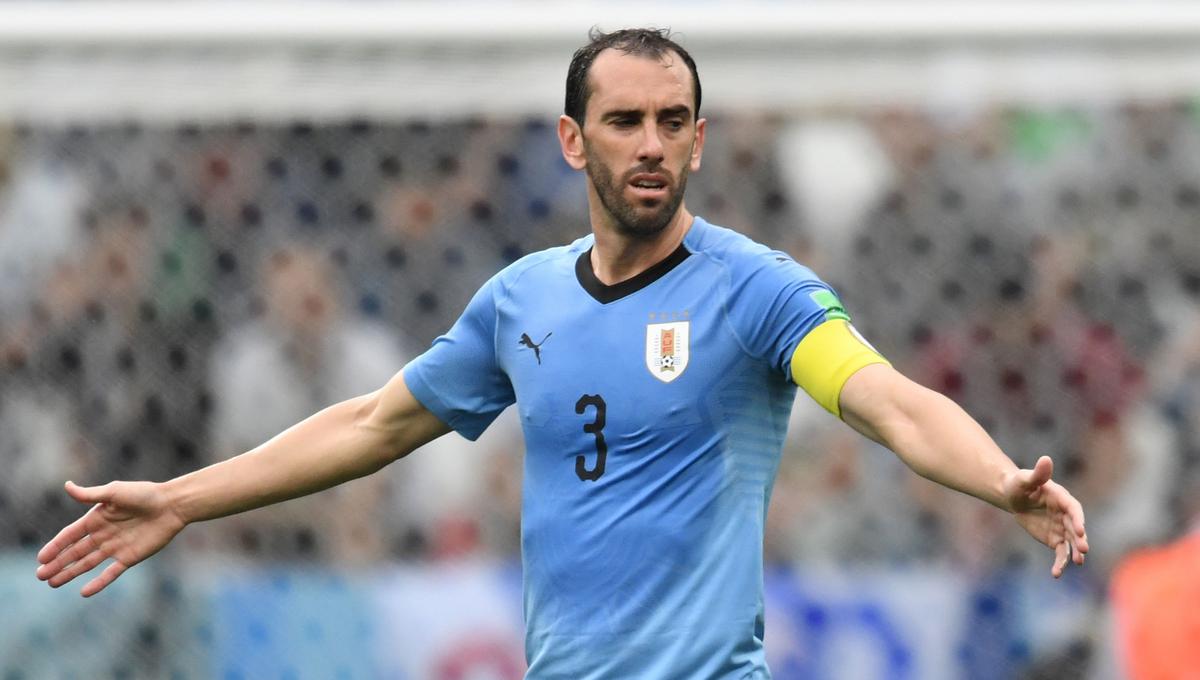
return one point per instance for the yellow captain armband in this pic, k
(827, 357)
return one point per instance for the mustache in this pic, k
(650, 169)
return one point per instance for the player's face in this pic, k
(640, 139)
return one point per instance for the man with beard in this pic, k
(654, 407)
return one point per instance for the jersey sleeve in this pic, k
(785, 315)
(459, 378)
(774, 302)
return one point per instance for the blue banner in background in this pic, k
(291, 623)
(462, 621)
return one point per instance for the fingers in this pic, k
(89, 494)
(74, 553)
(1072, 548)
(1039, 475)
(1077, 542)
(70, 535)
(75, 531)
(106, 577)
(74, 550)
(1062, 554)
(1073, 523)
(1075, 513)
(82, 566)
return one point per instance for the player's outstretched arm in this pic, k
(939, 441)
(130, 521)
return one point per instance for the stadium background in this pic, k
(215, 219)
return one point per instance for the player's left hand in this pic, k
(1048, 512)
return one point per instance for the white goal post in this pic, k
(211, 61)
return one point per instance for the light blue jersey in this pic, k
(654, 413)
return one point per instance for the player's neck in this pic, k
(617, 257)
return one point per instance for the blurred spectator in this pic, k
(538, 200)
(1042, 378)
(943, 234)
(840, 499)
(305, 353)
(745, 146)
(436, 228)
(39, 225)
(464, 498)
(131, 397)
(40, 201)
(836, 171)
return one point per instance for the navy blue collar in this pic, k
(605, 294)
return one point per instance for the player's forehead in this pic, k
(621, 81)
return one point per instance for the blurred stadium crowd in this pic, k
(170, 297)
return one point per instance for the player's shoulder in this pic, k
(740, 255)
(549, 262)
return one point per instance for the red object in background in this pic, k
(455, 538)
(1156, 596)
(481, 658)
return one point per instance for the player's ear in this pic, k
(570, 136)
(698, 144)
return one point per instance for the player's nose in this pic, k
(650, 147)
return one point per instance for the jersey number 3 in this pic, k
(596, 427)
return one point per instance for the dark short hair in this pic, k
(641, 42)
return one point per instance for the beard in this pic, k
(633, 219)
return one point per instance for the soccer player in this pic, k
(653, 364)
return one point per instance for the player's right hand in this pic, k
(128, 522)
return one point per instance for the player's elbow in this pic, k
(395, 423)
(381, 433)
(888, 408)
(917, 428)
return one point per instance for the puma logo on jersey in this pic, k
(536, 347)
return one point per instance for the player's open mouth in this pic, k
(649, 186)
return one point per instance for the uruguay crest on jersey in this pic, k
(667, 349)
